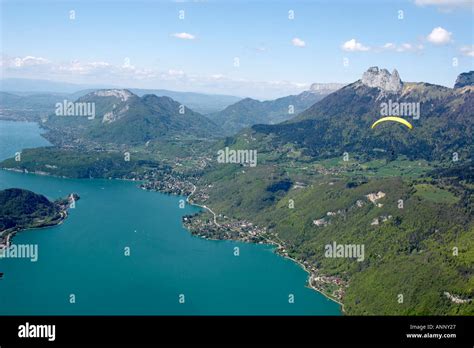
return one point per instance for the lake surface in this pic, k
(85, 256)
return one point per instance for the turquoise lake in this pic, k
(84, 256)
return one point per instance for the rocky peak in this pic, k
(465, 79)
(122, 94)
(381, 78)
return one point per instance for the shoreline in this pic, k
(277, 246)
(269, 242)
(64, 204)
(10, 234)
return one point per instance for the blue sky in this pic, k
(145, 43)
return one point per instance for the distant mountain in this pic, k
(200, 102)
(27, 107)
(32, 86)
(248, 112)
(342, 121)
(37, 101)
(122, 117)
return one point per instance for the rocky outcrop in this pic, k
(121, 94)
(381, 78)
(465, 79)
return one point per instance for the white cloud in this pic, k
(126, 64)
(404, 47)
(298, 42)
(20, 62)
(353, 46)
(184, 36)
(82, 68)
(389, 46)
(174, 72)
(278, 83)
(468, 50)
(439, 36)
(130, 76)
(217, 76)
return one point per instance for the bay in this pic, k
(85, 256)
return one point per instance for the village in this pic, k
(168, 183)
(202, 225)
(212, 226)
(209, 225)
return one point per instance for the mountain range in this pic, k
(248, 112)
(36, 92)
(326, 176)
(317, 123)
(341, 122)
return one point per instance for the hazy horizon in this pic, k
(80, 87)
(251, 49)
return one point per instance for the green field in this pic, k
(435, 194)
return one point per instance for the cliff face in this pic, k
(464, 79)
(381, 78)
